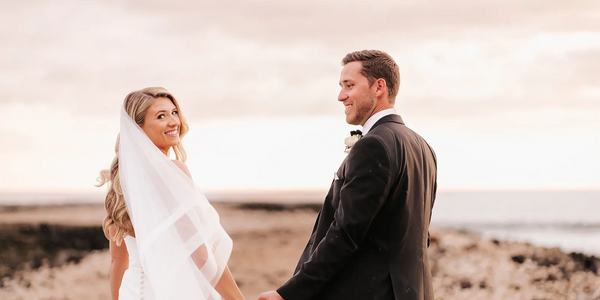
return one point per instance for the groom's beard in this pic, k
(362, 110)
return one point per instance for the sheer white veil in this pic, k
(183, 249)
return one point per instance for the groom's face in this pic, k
(356, 94)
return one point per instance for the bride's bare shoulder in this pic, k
(183, 167)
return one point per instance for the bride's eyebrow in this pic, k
(160, 111)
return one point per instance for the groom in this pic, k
(370, 239)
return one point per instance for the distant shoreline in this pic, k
(258, 196)
(565, 219)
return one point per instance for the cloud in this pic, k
(269, 58)
(344, 20)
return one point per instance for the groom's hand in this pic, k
(272, 295)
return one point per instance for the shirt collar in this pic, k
(376, 117)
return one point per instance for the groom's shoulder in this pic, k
(394, 131)
(387, 130)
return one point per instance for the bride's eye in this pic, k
(161, 116)
(175, 112)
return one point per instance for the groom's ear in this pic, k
(381, 87)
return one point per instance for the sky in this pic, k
(506, 92)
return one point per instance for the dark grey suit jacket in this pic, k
(370, 238)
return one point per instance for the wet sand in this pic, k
(267, 244)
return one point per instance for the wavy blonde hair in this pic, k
(117, 224)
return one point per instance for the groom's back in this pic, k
(403, 221)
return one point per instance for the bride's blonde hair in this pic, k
(117, 224)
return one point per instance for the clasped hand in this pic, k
(271, 295)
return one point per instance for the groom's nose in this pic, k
(342, 96)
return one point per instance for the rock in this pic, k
(465, 284)
(518, 259)
(26, 247)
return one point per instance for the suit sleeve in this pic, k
(364, 191)
(434, 193)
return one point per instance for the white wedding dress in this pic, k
(180, 249)
(135, 283)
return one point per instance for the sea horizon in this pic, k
(310, 195)
(568, 219)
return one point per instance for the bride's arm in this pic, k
(201, 254)
(226, 286)
(119, 262)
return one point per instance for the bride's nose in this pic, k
(174, 120)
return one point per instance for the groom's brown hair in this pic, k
(377, 64)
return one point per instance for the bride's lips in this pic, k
(171, 133)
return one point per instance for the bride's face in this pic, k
(161, 124)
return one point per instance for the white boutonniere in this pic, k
(355, 135)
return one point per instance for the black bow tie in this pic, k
(355, 132)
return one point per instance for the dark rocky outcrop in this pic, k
(25, 246)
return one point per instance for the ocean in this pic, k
(569, 220)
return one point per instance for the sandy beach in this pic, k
(267, 244)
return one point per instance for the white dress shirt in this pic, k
(374, 118)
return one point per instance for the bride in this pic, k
(174, 246)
